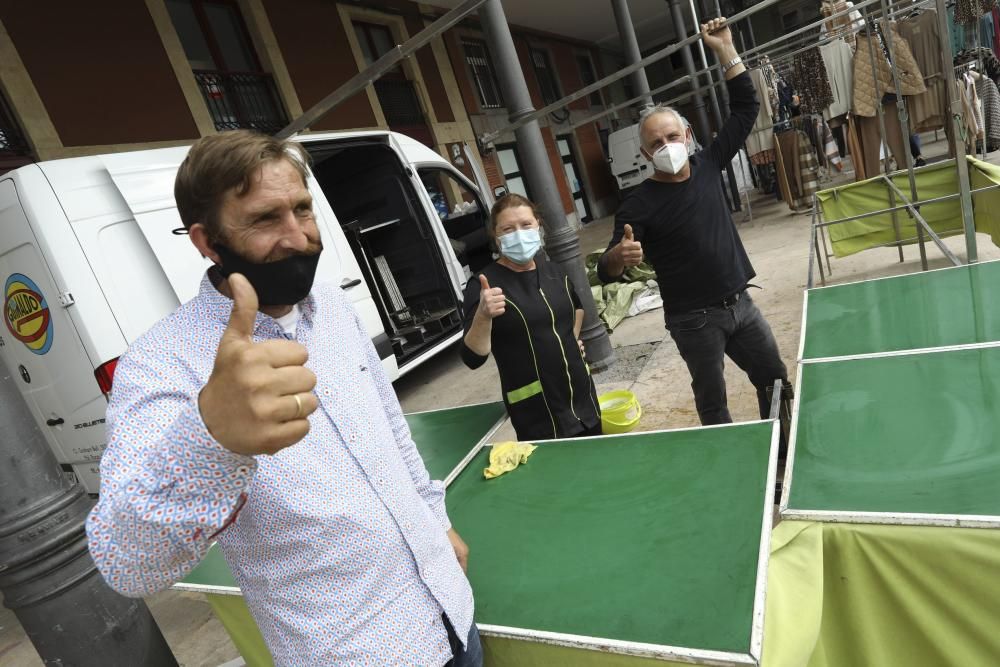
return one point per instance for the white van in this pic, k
(628, 165)
(90, 259)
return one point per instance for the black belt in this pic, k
(728, 301)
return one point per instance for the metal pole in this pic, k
(920, 222)
(46, 574)
(561, 242)
(904, 124)
(701, 116)
(490, 137)
(955, 111)
(881, 125)
(626, 29)
(714, 101)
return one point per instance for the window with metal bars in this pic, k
(483, 75)
(239, 94)
(546, 75)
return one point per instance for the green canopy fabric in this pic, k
(935, 180)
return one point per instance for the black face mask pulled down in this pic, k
(281, 283)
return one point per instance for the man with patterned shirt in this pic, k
(257, 415)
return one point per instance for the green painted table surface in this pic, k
(445, 437)
(953, 306)
(649, 537)
(917, 433)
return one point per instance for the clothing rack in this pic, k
(911, 204)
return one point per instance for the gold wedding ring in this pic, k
(298, 406)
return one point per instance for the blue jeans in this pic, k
(705, 336)
(471, 655)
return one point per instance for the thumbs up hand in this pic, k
(629, 249)
(259, 395)
(492, 302)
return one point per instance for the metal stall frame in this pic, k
(853, 516)
(912, 203)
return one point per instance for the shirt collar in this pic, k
(218, 307)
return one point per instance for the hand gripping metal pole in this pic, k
(46, 574)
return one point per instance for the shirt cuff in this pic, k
(201, 465)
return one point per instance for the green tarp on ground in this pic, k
(935, 180)
(614, 300)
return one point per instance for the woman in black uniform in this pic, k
(523, 309)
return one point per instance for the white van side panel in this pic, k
(40, 343)
(48, 212)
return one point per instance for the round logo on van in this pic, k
(26, 313)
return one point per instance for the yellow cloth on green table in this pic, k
(506, 456)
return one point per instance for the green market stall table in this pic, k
(945, 307)
(646, 548)
(894, 463)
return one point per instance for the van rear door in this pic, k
(40, 343)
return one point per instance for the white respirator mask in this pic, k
(671, 158)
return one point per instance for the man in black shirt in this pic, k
(680, 219)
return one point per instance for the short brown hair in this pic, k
(222, 162)
(512, 200)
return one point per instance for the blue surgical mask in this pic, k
(520, 245)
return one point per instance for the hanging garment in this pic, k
(956, 32)
(870, 135)
(968, 120)
(829, 144)
(990, 96)
(996, 33)
(763, 157)
(974, 102)
(843, 26)
(928, 109)
(967, 11)
(797, 160)
(760, 136)
(991, 65)
(810, 81)
(853, 141)
(987, 32)
(838, 60)
(866, 93)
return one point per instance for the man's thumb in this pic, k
(483, 282)
(245, 305)
(628, 233)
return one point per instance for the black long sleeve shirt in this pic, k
(686, 230)
(546, 382)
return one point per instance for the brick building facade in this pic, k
(128, 74)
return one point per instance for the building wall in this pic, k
(314, 43)
(77, 93)
(91, 95)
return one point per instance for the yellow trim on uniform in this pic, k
(527, 391)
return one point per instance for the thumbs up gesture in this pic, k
(492, 302)
(259, 396)
(629, 249)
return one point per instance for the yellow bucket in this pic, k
(620, 411)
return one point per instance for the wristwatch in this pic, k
(731, 64)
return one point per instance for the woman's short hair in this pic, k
(226, 161)
(512, 200)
